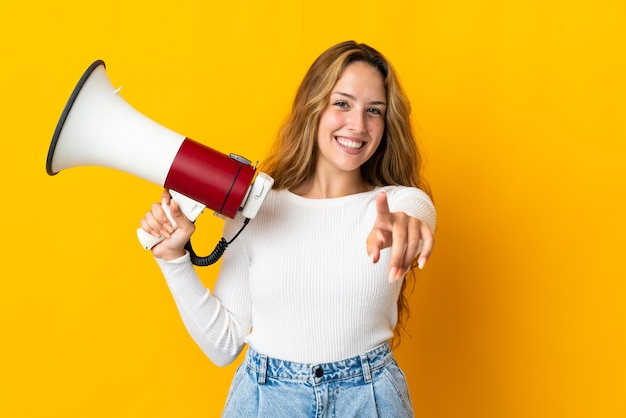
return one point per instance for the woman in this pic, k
(314, 284)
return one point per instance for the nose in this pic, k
(357, 122)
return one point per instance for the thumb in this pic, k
(373, 251)
(175, 209)
(177, 214)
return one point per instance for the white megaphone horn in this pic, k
(98, 128)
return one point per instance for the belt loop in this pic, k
(365, 365)
(262, 369)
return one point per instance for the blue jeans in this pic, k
(368, 385)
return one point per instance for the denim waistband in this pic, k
(361, 365)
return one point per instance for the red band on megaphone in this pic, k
(210, 177)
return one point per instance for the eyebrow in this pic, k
(351, 97)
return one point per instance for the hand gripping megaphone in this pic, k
(98, 128)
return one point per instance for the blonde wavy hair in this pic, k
(397, 160)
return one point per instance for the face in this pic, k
(352, 125)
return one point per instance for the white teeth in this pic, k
(350, 144)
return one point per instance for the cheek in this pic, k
(333, 120)
(330, 120)
(376, 129)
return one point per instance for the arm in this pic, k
(218, 324)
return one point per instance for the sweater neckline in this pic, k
(328, 201)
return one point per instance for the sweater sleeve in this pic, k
(414, 202)
(219, 322)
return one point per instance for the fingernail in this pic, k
(420, 264)
(372, 258)
(393, 272)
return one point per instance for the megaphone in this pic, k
(98, 128)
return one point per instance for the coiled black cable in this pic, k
(217, 252)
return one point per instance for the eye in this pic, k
(341, 103)
(375, 111)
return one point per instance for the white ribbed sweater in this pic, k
(297, 284)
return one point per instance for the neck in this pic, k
(318, 187)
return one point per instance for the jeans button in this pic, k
(319, 372)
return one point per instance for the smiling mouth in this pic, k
(347, 143)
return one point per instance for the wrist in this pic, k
(169, 255)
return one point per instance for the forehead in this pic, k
(361, 77)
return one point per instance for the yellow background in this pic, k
(520, 107)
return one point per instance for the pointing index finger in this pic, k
(382, 206)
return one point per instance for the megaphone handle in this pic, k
(189, 207)
(147, 241)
